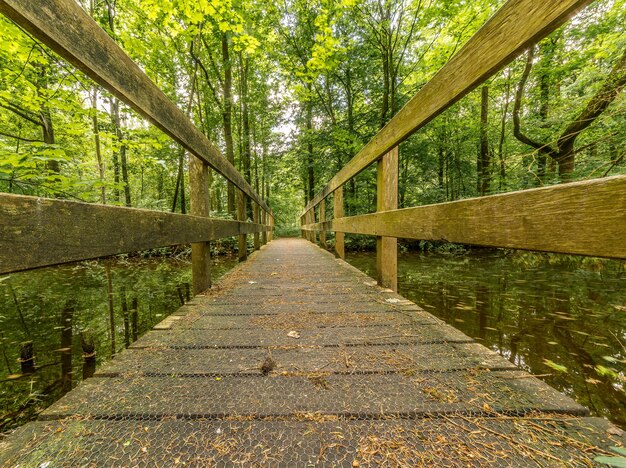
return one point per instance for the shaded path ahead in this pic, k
(297, 357)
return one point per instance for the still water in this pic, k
(560, 317)
(60, 309)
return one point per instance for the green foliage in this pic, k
(322, 77)
(614, 461)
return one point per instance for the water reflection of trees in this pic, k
(534, 309)
(65, 310)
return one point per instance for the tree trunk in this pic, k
(135, 319)
(96, 137)
(440, 166)
(507, 95)
(125, 316)
(107, 269)
(227, 116)
(116, 158)
(309, 146)
(46, 119)
(484, 167)
(244, 66)
(115, 107)
(547, 55)
(67, 316)
(386, 90)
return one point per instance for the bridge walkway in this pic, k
(296, 358)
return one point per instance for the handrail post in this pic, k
(309, 233)
(199, 204)
(312, 232)
(263, 222)
(241, 216)
(322, 219)
(271, 232)
(387, 199)
(338, 213)
(255, 219)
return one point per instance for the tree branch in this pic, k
(207, 78)
(517, 130)
(613, 85)
(20, 138)
(22, 113)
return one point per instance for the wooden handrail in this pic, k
(516, 25)
(68, 30)
(585, 218)
(37, 232)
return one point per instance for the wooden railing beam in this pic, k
(584, 218)
(37, 232)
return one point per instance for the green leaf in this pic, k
(619, 462)
(554, 365)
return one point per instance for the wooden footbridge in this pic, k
(296, 358)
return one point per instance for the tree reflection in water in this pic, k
(557, 316)
(77, 317)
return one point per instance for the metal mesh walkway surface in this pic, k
(298, 359)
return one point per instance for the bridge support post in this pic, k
(255, 219)
(264, 222)
(322, 219)
(199, 201)
(387, 199)
(270, 234)
(338, 213)
(241, 216)
(313, 233)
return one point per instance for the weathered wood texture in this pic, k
(387, 199)
(255, 220)
(199, 204)
(241, 216)
(338, 213)
(310, 217)
(586, 218)
(270, 231)
(322, 217)
(36, 232)
(68, 30)
(306, 220)
(513, 28)
(264, 216)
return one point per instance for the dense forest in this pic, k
(291, 90)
